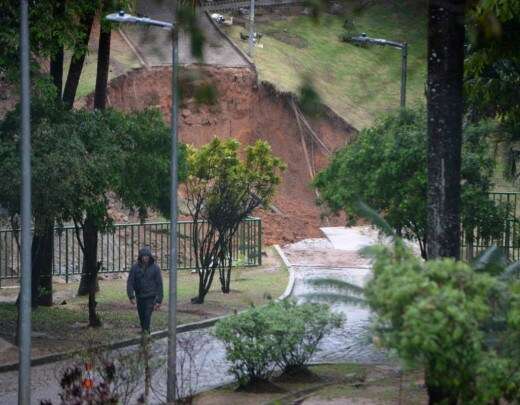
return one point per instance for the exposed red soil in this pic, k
(247, 111)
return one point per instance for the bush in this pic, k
(297, 330)
(281, 334)
(249, 347)
(456, 322)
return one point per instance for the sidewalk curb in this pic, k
(290, 285)
(52, 358)
(206, 323)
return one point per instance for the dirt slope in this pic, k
(248, 112)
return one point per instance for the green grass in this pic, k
(358, 83)
(64, 327)
(340, 383)
(122, 59)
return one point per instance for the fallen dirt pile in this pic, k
(247, 111)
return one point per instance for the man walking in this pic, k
(145, 284)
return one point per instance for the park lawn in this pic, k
(357, 83)
(328, 384)
(64, 327)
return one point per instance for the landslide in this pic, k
(247, 111)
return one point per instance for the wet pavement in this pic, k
(201, 360)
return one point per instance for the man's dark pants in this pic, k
(145, 309)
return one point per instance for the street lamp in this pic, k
(122, 17)
(363, 39)
(252, 35)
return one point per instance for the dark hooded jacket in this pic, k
(145, 282)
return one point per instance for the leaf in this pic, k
(512, 271)
(492, 260)
(335, 283)
(335, 299)
(374, 217)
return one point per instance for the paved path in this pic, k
(154, 44)
(309, 258)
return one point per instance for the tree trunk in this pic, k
(90, 243)
(77, 61)
(103, 62)
(56, 68)
(93, 318)
(205, 281)
(225, 267)
(56, 60)
(445, 108)
(437, 395)
(41, 272)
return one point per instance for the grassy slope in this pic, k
(358, 83)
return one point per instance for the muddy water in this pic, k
(338, 258)
(351, 343)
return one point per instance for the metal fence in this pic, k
(509, 241)
(117, 250)
(228, 5)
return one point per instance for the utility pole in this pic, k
(252, 30)
(24, 333)
(363, 39)
(172, 300)
(122, 17)
(404, 62)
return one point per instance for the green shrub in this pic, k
(249, 346)
(458, 323)
(297, 330)
(281, 334)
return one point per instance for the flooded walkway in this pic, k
(202, 356)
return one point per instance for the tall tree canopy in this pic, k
(221, 191)
(386, 168)
(78, 157)
(492, 70)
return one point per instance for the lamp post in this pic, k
(122, 17)
(24, 332)
(363, 39)
(252, 29)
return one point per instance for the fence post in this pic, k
(507, 237)
(259, 241)
(132, 243)
(66, 256)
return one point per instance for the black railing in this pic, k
(117, 250)
(227, 5)
(509, 241)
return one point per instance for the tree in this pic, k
(102, 163)
(492, 71)
(55, 26)
(95, 216)
(103, 60)
(457, 322)
(124, 153)
(445, 109)
(386, 167)
(221, 191)
(57, 168)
